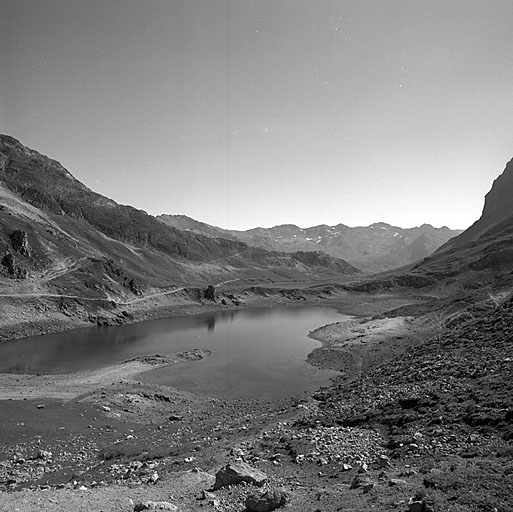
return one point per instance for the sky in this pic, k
(245, 113)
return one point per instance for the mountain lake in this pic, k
(256, 352)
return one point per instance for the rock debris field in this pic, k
(428, 428)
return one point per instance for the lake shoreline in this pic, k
(97, 425)
(27, 386)
(45, 315)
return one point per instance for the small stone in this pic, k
(44, 454)
(396, 481)
(41, 406)
(346, 467)
(384, 461)
(205, 495)
(236, 452)
(154, 478)
(105, 408)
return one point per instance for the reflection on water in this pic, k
(257, 352)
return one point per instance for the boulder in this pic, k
(270, 500)
(239, 472)
(415, 505)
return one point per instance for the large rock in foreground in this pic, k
(237, 473)
(270, 500)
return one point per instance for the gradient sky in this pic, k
(245, 113)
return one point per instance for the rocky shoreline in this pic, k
(371, 440)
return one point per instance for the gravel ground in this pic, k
(424, 419)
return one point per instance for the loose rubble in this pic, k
(428, 431)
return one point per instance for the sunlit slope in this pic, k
(82, 243)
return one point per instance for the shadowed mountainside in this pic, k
(45, 184)
(373, 248)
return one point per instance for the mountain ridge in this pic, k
(497, 209)
(61, 206)
(478, 262)
(374, 248)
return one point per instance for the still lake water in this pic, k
(256, 352)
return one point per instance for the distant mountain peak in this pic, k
(374, 248)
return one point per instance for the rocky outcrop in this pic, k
(14, 270)
(19, 242)
(235, 473)
(266, 502)
(47, 185)
(210, 293)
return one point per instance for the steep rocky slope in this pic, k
(373, 248)
(46, 185)
(477, 263)
(497, 212)
(59, 217)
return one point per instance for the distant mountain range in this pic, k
(59, 237)
(374, 248)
